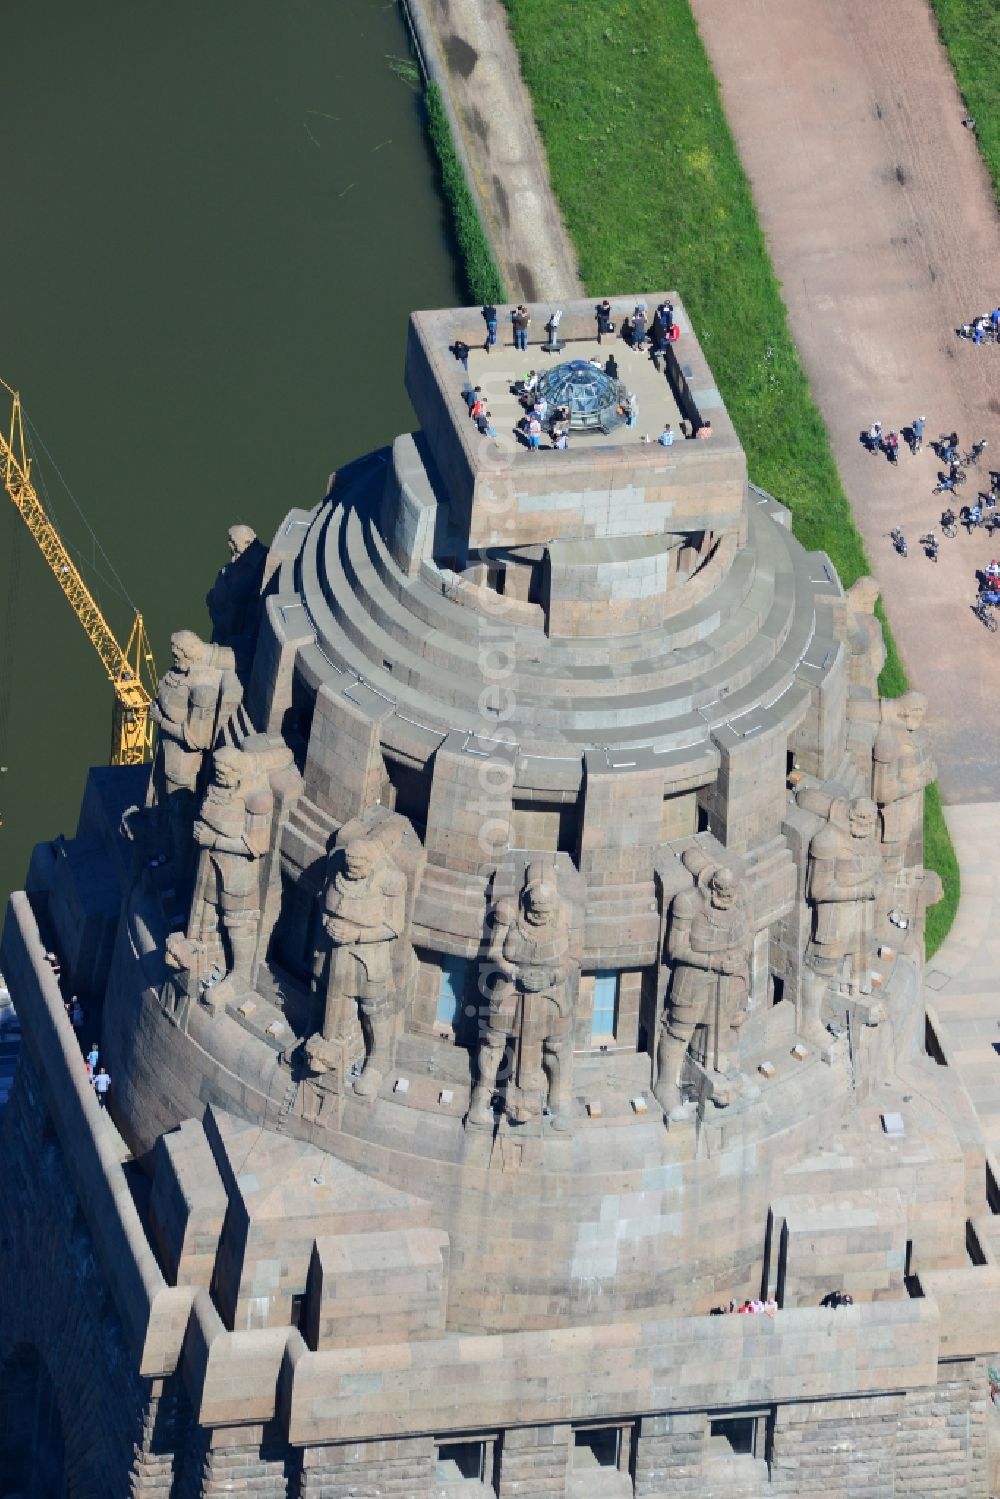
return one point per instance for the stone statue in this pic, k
(901, 769)
(237, 586)
(708, 943)
(532, 1000)
(844, 880)
(364, 917)
(187, 712)
(233, 832)
(863, 633)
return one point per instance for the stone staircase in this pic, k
(422, 648)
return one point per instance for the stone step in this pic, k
(424, 687)
(610, 658)
(628, 706)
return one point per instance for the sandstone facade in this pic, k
(569, 765)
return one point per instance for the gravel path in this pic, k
(468, 43)
(882, 228)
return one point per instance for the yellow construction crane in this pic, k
(132, 671)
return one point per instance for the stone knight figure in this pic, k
(708, 943)
(186, 713)
(901, 770)
(532, 1000)
(237, 585)
(844, 880)
(233, 832)
(364, 917)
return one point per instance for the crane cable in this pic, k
(9, 636)
(115, 582)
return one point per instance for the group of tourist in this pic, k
(982, 328)
(751, 1307)
(637, 330)
(981, 511)
(97, 1074)
(755, 1306)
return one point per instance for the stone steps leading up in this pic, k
(743, 643)
(387, 634)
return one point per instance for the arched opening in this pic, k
(32, 1464)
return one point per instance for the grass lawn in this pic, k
(970, 29)
(653, 194)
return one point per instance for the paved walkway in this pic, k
(468, 43)
(882, 228)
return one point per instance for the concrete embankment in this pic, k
(465, 47)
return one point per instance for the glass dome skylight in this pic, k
(592, 396)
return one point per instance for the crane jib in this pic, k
(132, 731)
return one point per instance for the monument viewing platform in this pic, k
(606, 483)
(515, 959)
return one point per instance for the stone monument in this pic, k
(364, 917)
(191, 702)
(902, 769)
(708, 947)
(233, 598)
(540, 970)
(531, 980)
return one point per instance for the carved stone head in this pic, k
(862, 817)
(229, 768)
(723, 889)
(186, 650)
(911, 710)
(360, 857)
(540, 901)
(240, 538)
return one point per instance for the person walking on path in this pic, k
(917, 428)
(521, 321)
(490, 319)
(102, 1082)
(875, 437)
(92, 1056)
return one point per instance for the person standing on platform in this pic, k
(521, 321)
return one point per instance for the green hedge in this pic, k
(483, 282)
(650, 184)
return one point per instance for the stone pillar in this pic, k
(234, 1454)
(344, 770)
(821, 738)
(747, 803)
(534, 1462)
(668, 1449)
(285, 630)
(468, 820)
(621, 818)
(402, 1466)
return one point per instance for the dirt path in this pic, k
(881, 224)
(468, 44)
